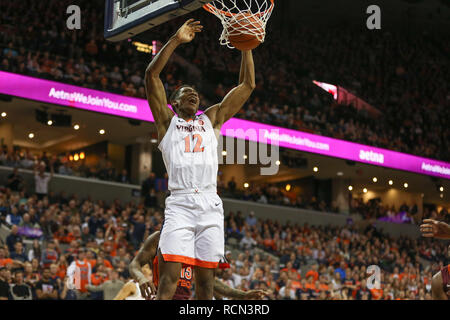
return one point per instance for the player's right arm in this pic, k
(156, 94)
(226, 291)
(436, 287)
(145, 255)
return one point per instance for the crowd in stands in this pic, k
(373, 209)
(62, 164)
(321, 263)
(290, 260)
(404, 76)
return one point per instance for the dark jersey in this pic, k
(184, 284)
(445, 273)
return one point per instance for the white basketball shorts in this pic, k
(193, 229)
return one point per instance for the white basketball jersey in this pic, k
(189, 150)
(137, 294)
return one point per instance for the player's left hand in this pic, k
(255, 294)
(188, 30)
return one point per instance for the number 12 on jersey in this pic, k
(197, 147)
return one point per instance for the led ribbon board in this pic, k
(135, 108)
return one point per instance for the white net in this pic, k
(241, 17)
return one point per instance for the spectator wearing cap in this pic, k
(20, 290)
(251, 219)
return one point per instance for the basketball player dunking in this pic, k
(192, 232)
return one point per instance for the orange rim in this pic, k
(210, 8)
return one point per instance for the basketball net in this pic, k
(232, 14)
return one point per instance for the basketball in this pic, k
(246, 31)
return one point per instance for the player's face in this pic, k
(188, 101)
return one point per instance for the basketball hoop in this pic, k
(230, 13)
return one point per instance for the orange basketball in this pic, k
(246, 31)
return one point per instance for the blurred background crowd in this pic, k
(403, 76)
(291, 261)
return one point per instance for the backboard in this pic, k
(127, 18)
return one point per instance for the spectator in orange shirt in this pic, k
(323, 285)
(102, 260)
(97, 279)
(310, 284)
(4, 260)
(313, 272)
(291, 271)
(62, 267)
(377, 294)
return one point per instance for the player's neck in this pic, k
(186, 117)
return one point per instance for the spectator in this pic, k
(66, 293)
(14, 218)
(287, 292)
(27, 223)
(19, 253)
(109, 288)
(15, 181)
(20, 290)
(13, 237)
(137, 235)
(232, 185)
(45, 288)
(4, 285)
(49, 255)
(147, 185)
(123, 177)
(42, 180)
(247, 241)
(79, 274)
(251, 220)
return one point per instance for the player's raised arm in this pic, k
(156, 95)
(235, 99)
(145, 255)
